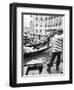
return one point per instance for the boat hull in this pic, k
(34, 53)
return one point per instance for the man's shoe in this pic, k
(49, 71)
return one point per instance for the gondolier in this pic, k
(56, 45)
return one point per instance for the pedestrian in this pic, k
(56, 47)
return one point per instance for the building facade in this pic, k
(42, 25)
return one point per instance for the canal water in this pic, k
(43, 57)
(45, 54)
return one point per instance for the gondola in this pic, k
(38, 51)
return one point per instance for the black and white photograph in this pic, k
(40, 44)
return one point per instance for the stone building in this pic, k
(43, 25)
(40, 26)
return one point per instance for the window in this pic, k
(31, 15)
(54, 16)
(45, 31)
(36, 25)
(41, 19)
(48, 25)
(40, 25)
(60, 23)
(56, 24)
(30, 21)
(45, 25)
(41, 30)
(36, 30)
(51, 17)
(46, 18)
(36, 18)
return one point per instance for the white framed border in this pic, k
(49, 78)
